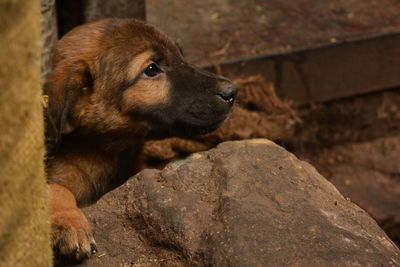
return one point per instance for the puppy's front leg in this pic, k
(77, 176)
(72, 233)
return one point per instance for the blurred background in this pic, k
(320, 78)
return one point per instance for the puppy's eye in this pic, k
(152, 71)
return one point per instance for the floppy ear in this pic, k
(63, 89)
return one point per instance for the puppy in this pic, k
(115, 84)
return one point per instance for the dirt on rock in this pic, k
(247, 203)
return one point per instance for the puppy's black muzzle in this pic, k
(200, 101)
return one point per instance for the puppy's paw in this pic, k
(72, 235)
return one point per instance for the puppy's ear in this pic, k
(66, 85)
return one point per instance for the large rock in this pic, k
(248, 203)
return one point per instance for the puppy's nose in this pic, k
(228, 92)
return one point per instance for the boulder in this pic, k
(244, 203)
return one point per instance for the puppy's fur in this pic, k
(115, 84)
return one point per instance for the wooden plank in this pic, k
(328, 73)
(312, 50)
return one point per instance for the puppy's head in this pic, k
(124, 77)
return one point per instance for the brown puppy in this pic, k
(115, 84)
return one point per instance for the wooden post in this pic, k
(24, 226)
(49, 36)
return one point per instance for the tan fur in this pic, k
(147, 94)
(138, 64)
(66, 217)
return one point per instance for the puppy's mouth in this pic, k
(183, 128)
(190, 129)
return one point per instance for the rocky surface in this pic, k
(368, 173)
(248, 203)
